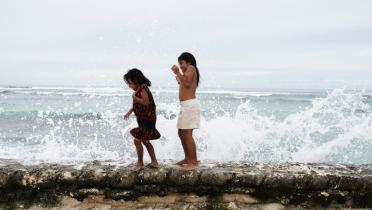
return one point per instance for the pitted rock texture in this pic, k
(211, 186)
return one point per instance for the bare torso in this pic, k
(186, 93)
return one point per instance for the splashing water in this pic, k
(331, 130)
(64, 125)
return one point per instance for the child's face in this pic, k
(132, 85)
(183, 65)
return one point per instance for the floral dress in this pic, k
(146, 118)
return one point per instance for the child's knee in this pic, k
(146, 142)
(137, 141)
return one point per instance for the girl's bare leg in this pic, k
(192, 161)
(185, 160)
(151, 151)
(139, 150)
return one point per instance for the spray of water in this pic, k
(335, 129)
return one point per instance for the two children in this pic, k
(145, 110)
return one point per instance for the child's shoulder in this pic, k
(145, 88)
(191, 68)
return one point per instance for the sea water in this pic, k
(72, 125)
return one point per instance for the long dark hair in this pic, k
(189, 58)
(137, 77)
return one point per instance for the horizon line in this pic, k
(203, 88)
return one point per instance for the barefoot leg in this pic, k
(139, 150)
(151, 151)
(190, 147)
(182, 137)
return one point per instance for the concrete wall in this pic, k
(213, 186)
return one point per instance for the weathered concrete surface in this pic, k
(105, 185)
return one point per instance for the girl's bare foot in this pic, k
(189, 167)
(137, 167)
(182, 162)
(153, 165)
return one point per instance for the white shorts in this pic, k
(189, 116)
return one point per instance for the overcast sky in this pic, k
(243, 44)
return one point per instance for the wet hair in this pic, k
(189, 58)
(137, 77)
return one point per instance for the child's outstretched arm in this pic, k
(186, 77)
(144, 100)
(126, 115)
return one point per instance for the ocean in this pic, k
(77, 124)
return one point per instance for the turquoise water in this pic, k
(68, 124)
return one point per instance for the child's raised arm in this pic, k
(186, 77)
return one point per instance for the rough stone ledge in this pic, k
(288, 184)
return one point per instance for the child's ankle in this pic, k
(139, 162)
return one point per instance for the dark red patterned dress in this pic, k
(146, 118)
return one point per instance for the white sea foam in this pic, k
(335, 128)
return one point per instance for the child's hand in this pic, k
(126, 116)
(175, 69)
(178, 80)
